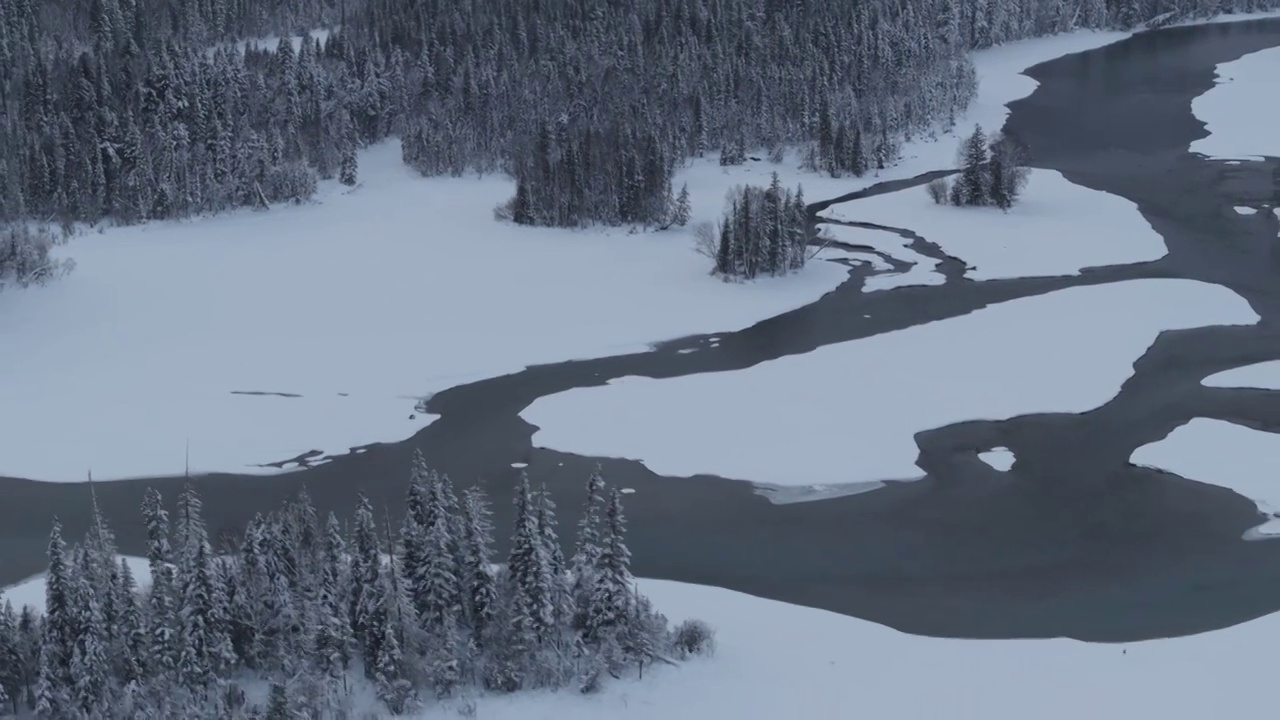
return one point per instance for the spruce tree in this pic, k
(481, 588)
(587, 548)
(55, 684)
(611, 606)
(972, 187)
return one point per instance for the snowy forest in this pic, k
(310, 618)
(140, 109)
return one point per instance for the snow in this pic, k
(999, 458)
(141, 351)
(922, 270)
(1056, 228)
(31, 591)
(788, 422)
(775, 660)
(1246, 210)
(1235, 457)
(401, 288)
(1237, 127)
(1263, 375)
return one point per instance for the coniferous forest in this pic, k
(304, 617)
(130, 110)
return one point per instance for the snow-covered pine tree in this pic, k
(89, 665)
(558, 583)
(587, 548)
(55, 684)
(205, 646)
(683, 207)
(972, 186)
(162, 620)
(481, 593)
(332, 643)
(11, 670)
(611, 607)
(366, 574)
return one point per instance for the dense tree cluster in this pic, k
(301, 614)
(764, 232)
(992, 173)
(138, 109)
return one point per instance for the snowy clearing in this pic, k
(923, 270)
(162, 329)
(1246, 210)
(999, 458)
(784, 422)
(1237, 127)
(1263, 375)
(1235, 457)
(1057, 228)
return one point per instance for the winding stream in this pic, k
(1078, 543)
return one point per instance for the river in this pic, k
(1081, 545)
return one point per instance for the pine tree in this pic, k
(481, 589)
(587, 549)
(11, 671)
(972, 187)
(683, 209)
(55, 684)
(611, 598)
(332, 642)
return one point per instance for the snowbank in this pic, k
(849, 412)
(1238, 127)
(31, 591)
(1263, 375)
(1232, 456)
(776, 661)
(1057, 228)
(998, 458)
(350, 309)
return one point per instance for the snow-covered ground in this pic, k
(1244, 210)
(1057, 228)
(1263, 375)
(1216, 452)
(998, 458)
(849, 412)
(1236, 130)
(359, 304)
(775, 661)
(923, 269)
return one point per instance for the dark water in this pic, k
(1074, 542)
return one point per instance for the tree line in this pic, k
(138, 109)
(302, 617)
